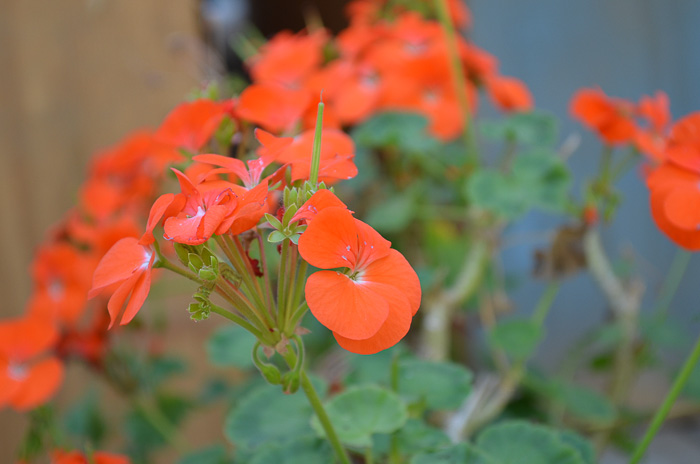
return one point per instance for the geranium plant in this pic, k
(339, 226)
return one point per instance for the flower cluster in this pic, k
(387, 59)
(671, 148)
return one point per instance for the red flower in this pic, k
(26, 382)
(128, 264)
(190, 125)
(98, 457)
(509, 93)
(272, 106)
(611, 118)
(368, 305)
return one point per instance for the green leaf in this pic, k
(84, 420)
(414, 437)
(359, 412)
(462, 453)
(442, 385)
(142, 436)
(585, 404)
(583, 446)
(308, 450)
(267, 415)
(537, 128)
(492, 191)
(162, 368)
(231, 345)
(393, 214)
(543, 176)
(403, 131)
(518, 338)
(215, 454)
(538, 179)
(373, 368)
(519, 442)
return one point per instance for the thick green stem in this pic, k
(459, 78)
(316, 158)
(438, 314)
(311, 394)
(282, 284)
(661, 414)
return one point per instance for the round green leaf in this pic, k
(231, 345)
(267, 415)
(461, 453)
(585, 404)
(442, 385)
(583, 446)
(518, 338)
(215, 454)
(360, 412)
(308, 450)
(519, 442)
(414, 437)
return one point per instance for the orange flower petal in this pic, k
(395, 270)
(682, 207)
(396, 326)
(120, 263)
(41, 383)
(319, 201)
(346, 307)
(330, 241)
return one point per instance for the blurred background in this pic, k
(78, 75)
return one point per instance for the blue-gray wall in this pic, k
(628, 48)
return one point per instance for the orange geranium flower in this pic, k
(129, 265)
(652, 139)
(98, 457)
(287, 58)
(370, 301)
(337, 153)
(509, 93)
(272, 106)
(611, 118)
(190, 125)
(25, 381)
(675, 203)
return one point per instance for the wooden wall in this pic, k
(75, 76)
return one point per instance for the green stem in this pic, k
(165, 264)
(660, 416)
(545, 303)
(369, 457)
(316, 158)
(673, 280)
(162, 424)
(394, 453)
(269, 298)
(232, 252)
(459, 78)
(282, 281)
(311, 394)
(624, 164)
(438, 314)
(512, 379)
(237, 319)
